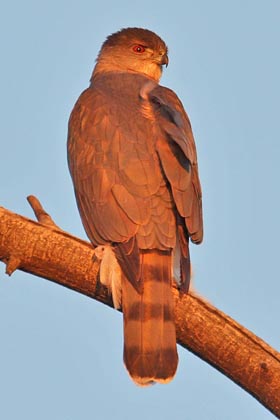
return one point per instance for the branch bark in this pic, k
(44, 250)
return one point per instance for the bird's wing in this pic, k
(91, 135)
(115, 172)
(177, 152)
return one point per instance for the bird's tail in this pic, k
(150, 352)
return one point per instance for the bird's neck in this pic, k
(151, 71)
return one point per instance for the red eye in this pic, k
(138, 49)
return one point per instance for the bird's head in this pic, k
(134, 50)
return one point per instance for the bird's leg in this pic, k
(110, 272)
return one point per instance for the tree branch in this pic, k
(42, 216)
(44, 250)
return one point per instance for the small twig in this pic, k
(42, 216)
(12, 264)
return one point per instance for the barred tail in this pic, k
(150, 352)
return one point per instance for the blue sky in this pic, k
(61, 352)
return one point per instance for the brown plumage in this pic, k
(132, 158)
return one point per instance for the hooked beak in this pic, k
(164, 60)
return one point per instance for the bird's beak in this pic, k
(164, 60)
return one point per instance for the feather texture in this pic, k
(150, 353)
(133, 162)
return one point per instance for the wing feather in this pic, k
(93, 146)
(177, 152)
(132, 167)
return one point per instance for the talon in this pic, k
(99, 252)
(95, 259)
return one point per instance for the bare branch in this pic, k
(42, 216)
(51, 253)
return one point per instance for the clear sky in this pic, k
(61, 352)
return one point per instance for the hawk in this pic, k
(133, 163)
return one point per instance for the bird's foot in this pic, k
(110, 272)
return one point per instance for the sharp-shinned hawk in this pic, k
(132, 158)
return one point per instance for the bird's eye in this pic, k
(138, 49)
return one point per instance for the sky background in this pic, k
(61, 352)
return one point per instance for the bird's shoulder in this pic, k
(170, 102)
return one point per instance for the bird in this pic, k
(133, 162)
